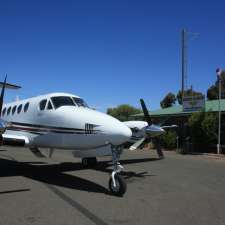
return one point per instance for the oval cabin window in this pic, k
(9, 110)
(26, 107)
(19, 108)
(14, 109)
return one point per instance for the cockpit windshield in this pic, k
(80, 102)
(62, 101)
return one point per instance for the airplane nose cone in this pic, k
(121, 134)
(125, 133)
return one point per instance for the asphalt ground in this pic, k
(179, 190)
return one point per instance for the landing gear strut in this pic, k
(117, 184)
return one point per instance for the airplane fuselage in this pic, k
(61, 120)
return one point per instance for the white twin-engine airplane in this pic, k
(64, 121)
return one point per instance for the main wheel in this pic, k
(121, 185)
(89, 162)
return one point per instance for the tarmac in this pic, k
(178, 190)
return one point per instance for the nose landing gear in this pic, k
(117, 184)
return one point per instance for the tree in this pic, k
(196, 131)
(213, 91)
(210, 127)
(168, 100)
(123, 112)
(189, 92)
(203, 127)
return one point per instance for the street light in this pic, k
(218, 72)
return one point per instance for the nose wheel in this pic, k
(117, 184)
(120, 186)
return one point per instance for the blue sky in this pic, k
(109, 52)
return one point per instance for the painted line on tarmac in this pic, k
(95, 219)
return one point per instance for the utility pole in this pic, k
(218, 71)
(184, 61)
(185, 37)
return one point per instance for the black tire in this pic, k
(92, 161)
(85, 162)
(89, 162)
(121, 186)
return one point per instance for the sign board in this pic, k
(193, 103)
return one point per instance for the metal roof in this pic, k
(177, 110)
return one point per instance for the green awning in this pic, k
(177, 110)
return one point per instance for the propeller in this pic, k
(145, 111)
(4, 85)
(137, 144)
(152, 131)
(2, 122)
(2, 95)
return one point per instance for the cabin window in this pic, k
(3, 112)
(42, 104)
(26, 107)
(80, 102)
(14, 109)
(19, 108)
(49, 105)
(9, 110)
(62, 101)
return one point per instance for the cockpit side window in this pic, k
(80, 102)
(49, 107)
(42, 104)
(62, 101)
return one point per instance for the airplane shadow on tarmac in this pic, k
(53, 174)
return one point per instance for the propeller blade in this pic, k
(2, 95)
(170, 126)
(145, 111)
(137, 144)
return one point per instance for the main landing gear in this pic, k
(89, 162)
(117, 184)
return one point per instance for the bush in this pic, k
(195, 124)
(169, 139)
(203, 127)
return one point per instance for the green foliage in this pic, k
(168, 100)
(213, 91)
(188, 92)
(210, 126)
(194, 122)
(168, 139)
(123, 112)
(203, 127)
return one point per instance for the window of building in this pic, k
(3, 112)
(49, 105)
(19, 108)
(80, 102)
(26, 107)
(14, 109)
(8, 110)
(62, 101)
(42, 104)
